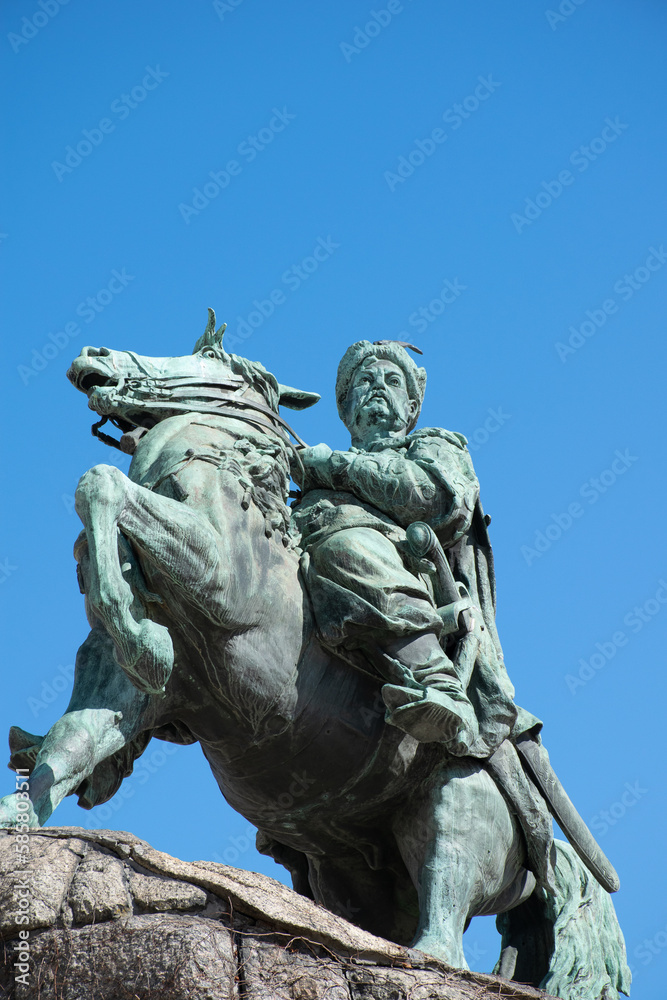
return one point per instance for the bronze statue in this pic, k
(371, 602)
(338, 662)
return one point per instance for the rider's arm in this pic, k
(437, 485)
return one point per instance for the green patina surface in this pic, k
(337, 659)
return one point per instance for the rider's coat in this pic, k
(364, 586)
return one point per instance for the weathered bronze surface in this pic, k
(338, 661)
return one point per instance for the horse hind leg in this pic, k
(380, 900)
(460, 847)
(569, 944)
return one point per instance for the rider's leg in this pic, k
(425, 697)
(105, 712)
(364, 596)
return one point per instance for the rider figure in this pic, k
(372, 603)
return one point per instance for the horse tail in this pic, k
(569, 944)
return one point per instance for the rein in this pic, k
(105, 438)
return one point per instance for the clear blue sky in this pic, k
(540, 199)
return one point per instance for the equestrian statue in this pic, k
(336, 658)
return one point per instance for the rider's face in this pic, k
(378, 400)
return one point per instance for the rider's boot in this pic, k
(425, 697)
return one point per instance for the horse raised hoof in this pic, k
(23, 749)
(151, 660)
(431, 716)
(17, 812)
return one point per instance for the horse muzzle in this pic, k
(94, 368)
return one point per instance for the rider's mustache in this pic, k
(379, 393)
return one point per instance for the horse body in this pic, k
(201, 631)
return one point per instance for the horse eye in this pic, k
(209, 353)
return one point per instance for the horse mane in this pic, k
(257, 376)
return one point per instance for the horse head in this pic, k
(134, 391)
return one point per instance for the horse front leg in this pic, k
(104, 714)
(175, 538)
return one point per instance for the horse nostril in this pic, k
(96, 352)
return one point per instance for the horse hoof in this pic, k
(23, 748)
(445, 949)
(150, 667)
(13, 813)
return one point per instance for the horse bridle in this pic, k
(213, 389)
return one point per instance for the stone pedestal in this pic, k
(109, 918)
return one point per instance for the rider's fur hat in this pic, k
(387, 350)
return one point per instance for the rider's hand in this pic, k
(316, 463)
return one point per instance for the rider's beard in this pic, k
(377, 411)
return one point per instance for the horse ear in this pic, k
(296, 399)
(210, 337)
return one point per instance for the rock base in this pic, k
(100, 915)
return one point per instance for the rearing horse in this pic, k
(201, 631)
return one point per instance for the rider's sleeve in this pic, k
(448, 464)
(433, 481)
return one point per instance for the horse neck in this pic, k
(254, 463)
(236, 479)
